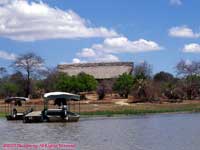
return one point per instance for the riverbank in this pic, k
(2, 114)
(133, 109)
(138, 112)
(140, 108)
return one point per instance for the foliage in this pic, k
(192, 86)
(143, 70)
(19, 80)
(9, 89)
(101, 91)
(145, 90)
(105, 87)
(80, 83)
(28, 64)
(187, 68)
(49, 83)
(124, 84)
(173, 91)
(30, 78)
(63, 83)
(163, 77)
(190, 73)
(86, 82)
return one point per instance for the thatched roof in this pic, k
(102, 70)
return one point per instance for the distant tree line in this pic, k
(31, 78)
(144, 86)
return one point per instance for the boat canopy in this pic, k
(58, 95)
(10, 99)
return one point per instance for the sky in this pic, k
(161, 32)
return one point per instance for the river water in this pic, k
(147, 132)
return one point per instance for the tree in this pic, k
(18, 79)
(101, 91)
(124, 84)
(9, 89)
(80, 83)
(3, 72)
(48, 84)
(29, 64)
(143, 70)
(187, 68)
(192, 86)
(145, 90)
(63, 83)
(87, 82)
(190, 72)
(163, 77)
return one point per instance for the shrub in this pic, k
(163, 77)
(101, 92)
(145, 90)
(9, 89)
(123, 85)
(75, 84)
(86, 82)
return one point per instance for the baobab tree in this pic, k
(29, 64)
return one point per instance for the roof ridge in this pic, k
(97, 64)
(103, 70)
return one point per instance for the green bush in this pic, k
(86, 82)
(80, 83)
(9, 89)
(124, 84)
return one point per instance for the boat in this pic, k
(13, 110)
(60, 114)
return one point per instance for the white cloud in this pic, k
(87, 52)
(97, 56)
(123, 45)
(183, 31)
(76, 60)
(110, 46)
(7, 56)
(176, 2)
(103, 57)
(192, 48)
(29, 21)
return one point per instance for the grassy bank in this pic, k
(132, 109)
(2, 114)
(136, 112)
(141, 109)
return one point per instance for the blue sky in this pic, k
(161, 32)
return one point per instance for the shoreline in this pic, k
(135, 113)
(131, 112)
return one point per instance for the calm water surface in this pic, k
(150, 132)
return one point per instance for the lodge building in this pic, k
(100, 71)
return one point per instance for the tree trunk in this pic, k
(28, 84)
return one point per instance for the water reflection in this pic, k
(150, 132)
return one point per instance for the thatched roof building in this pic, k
(104, 70)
